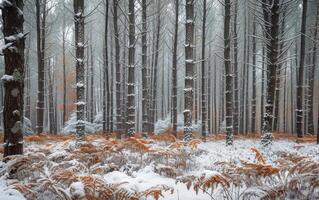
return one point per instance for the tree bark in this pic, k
(79, 44)
(189, 69)
(271, 18)
(174, 72)
(229, 76)
(204, 93)
(14, 40)
(300, 80)
(130, 119)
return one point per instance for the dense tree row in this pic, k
(237, 67)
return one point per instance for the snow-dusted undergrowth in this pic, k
(163, 168)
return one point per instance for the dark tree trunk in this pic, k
(253, 101)
(189, 69)
(106, 88)
(174, 72)
(145, 100)
(204, 75)
(64, 72)
(312, 77)
(271, 19)
(154, 110)
(40, 55)
(228, 75)
(14, 38)
(130, 104)
(236, 73)
(79, 44)
(300, 80)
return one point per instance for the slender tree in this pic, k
(14, 40)
(203, 85)
(228, 75)
(40, 25)
(174, 71)
(300, 80)
(271, 14)
(145, 101)
(130, 104)
(106, 87)
(189, 69)
(79, 44)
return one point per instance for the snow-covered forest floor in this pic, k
(54, 167)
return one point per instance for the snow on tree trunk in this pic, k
(271, 18)
(236, 73)
(300, 77)
(174, 72)
(145, 89)
(203, 85)
(106, 88)
(189, 69)
(117, 69)
(79, 44)
(14, 39)
(130, 104)
(254, 67)
(40, 55)
(229, 76)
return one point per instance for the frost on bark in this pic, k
(118, 98)
(14, 39)
(79, 44)
(130, 104)
(174, 72)
(189, 69)
(145, 102)
(236, 73)
(40, 24)
(229, 76)
(271, 12)
(300, 77)
(203, 86)
(106, 88)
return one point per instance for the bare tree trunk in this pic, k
(64, 71)
(253, 101)
(228, 75)
(154, 109)
(13, 80)
(174, 72)
(312, 77)
(300, 81)
(130, 119)
(271, 18)
(27, 107)
(189, 69)
(106, 88)
(50, 97)
(91, 75)
(204, 93)
(236, 73)
(40, 53)
(145, 100)
(79, 44)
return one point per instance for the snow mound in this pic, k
(70, 126)
(163, 124)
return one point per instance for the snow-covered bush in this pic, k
(27, 127)
(163, 124)
(70, 125)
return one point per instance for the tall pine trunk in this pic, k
(204, 75)
(130, 104)
(189, 69)
(229, 76)
(13, 79)
(174, 72)
(79, 44)
(300, 80)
